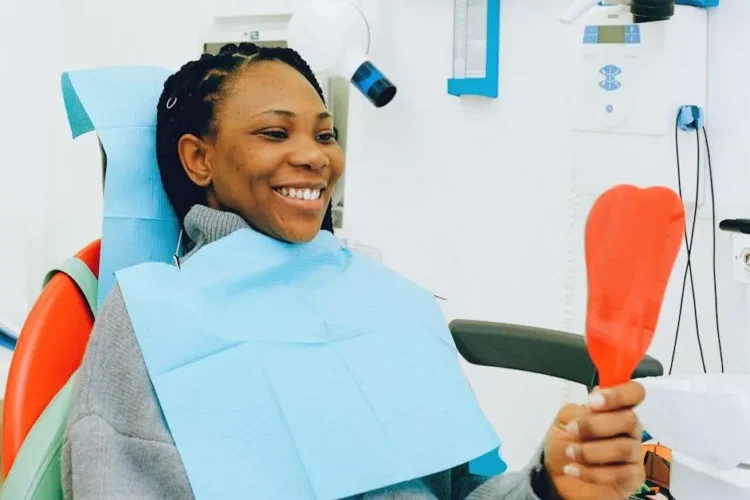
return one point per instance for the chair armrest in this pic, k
(537, 350)
(36, 472)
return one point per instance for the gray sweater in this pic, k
(117, 445)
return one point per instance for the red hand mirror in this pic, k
(633, 237)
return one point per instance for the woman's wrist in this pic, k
(542, 484)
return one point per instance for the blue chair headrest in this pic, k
(119, 103)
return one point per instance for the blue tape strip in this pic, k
(698, 3)
(366, 76)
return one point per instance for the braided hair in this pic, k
(188, 105)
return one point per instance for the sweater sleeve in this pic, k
(512, 486)
(117, 444)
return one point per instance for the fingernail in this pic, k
(570, 452)
(597, 400)
(571, 470)
(572, 428)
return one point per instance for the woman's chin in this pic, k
(298, 233)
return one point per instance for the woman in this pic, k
(246, 146)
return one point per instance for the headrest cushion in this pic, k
(119, 103)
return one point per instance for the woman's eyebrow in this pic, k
(325, 115)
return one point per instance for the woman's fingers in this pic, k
(608, 452)
(569, 413)
(605, 425)
(626, 478)
(600, 444)
(622, 397)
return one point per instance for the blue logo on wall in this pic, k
(610, 82)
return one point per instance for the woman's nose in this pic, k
(310, 156)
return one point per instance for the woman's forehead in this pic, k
(272, 85)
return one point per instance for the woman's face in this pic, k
(273, 159)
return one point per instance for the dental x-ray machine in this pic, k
(334, 37)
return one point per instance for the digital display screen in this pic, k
(612, 34)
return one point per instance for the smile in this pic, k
(305, 199)
(305, 194)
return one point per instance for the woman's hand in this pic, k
(594, 452)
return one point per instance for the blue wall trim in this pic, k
(489, 85)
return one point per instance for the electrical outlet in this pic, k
(741, 257)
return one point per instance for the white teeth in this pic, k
(300, 193)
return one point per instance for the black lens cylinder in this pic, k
(645, 11)
(373, 84)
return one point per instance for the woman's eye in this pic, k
(326, 137)
(275, 134)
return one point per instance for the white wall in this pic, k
(29, 64)
(470, 198)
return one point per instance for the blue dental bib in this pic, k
(305, 371)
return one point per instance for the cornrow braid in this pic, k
(188, 105)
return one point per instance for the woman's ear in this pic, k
(193, 153)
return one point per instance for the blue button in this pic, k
(610, 86)
(610, 69)
(591, 39)
(592, 30)
(610, 72)
(632, 29)
(609, 108)
(632, 38)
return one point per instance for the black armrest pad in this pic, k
(547, 352)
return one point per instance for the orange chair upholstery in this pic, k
(49, 350)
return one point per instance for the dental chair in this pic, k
(54, 337)
(51, 345)
(40, 383)
(53, 341)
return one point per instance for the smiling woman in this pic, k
(277, 363)
(256, 139)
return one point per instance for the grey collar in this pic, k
(205, 225)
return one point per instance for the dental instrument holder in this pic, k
(333, 36)
(536, 350)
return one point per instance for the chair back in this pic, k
(50, 346)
